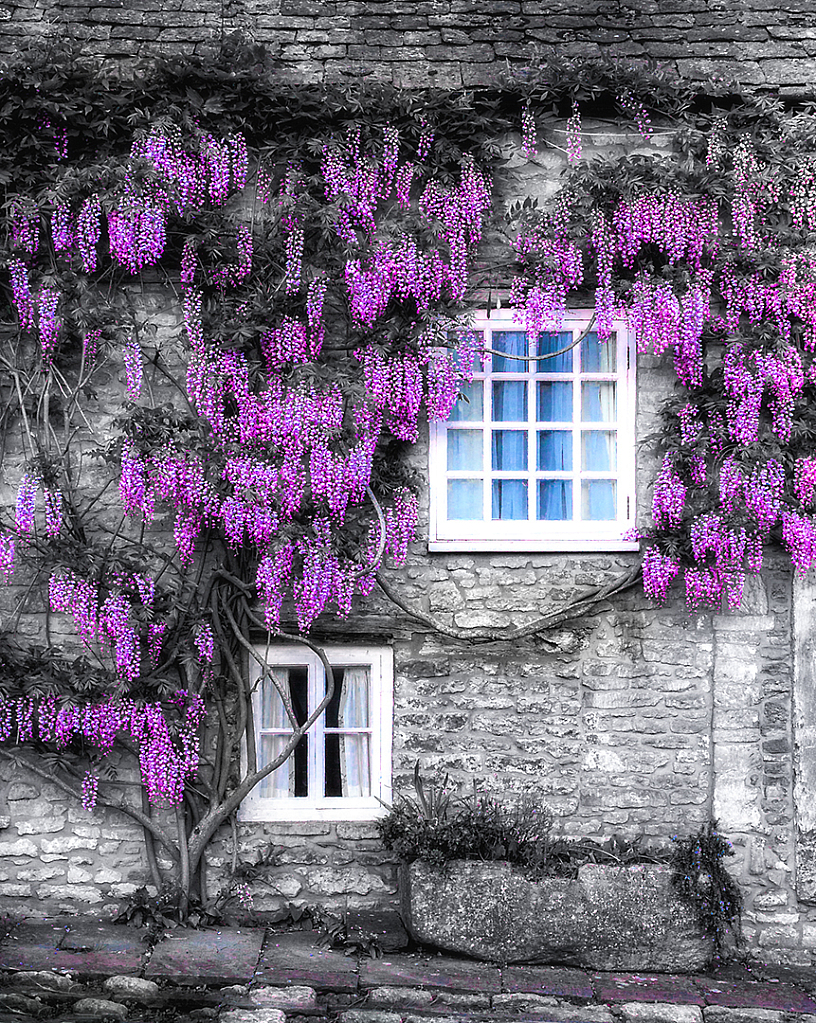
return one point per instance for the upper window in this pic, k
(538, 453)
(341, 768)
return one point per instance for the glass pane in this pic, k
(554, 343)
(275, 785)
(469, 405)
(599, 500)
(292, 777)
(465, 449)
(349, 705)
(510, 401)
(555, 500)
(554, 402)
(598, 402)
(599, 450)
(598, 356)
(511, 341)
(273, 713)
(347, 765)
(555, 450)
(509, 499)
(465, 499)
(510, 449)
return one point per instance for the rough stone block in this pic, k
(609, 918)
(660, 1012)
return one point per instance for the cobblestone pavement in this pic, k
(74, 970)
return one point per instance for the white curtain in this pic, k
(355, 768)
(280, 784)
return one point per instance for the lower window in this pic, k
(341, 768)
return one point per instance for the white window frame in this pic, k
(533, 534)
(380, 661)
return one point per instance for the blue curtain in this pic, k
(465, 499)
(509, 499)
(554, 401)
(554, 343)
(510, 450)
(554, 500)
(555, 450)
(598, 357)
(465, 450)
(598, 500)
(510, 401)
(514, 342)
(469, 406)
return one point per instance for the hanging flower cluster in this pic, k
(108, 620)
(169, 750)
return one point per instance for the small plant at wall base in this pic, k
(245, 486)
(699, 875)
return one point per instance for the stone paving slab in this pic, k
(646, 987)
(754, 995)
(443, 972)
(296, 958)
(560, 981)
(207, 957)
(89, 950)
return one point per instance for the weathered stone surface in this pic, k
(254, 1016)
(639, 987)
(549, 980)
(136, 988)
(42, 979)
(296, 959)
(100, 1007)
(15, 1002)
(293, 999)
(660, 1012)
(609, 918)
(527, 1006)
(439, 974)
(207, 957)
(749, 994)
(723, 1014)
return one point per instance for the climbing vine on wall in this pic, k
(278, 278)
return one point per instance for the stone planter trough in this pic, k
(609, 918)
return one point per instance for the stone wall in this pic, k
(636, 719)
(449, 43)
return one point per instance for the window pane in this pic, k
(598, 356)
(465, 499)
(510, 401)
(599, 500)
(509, 499)
(598, 402)
(349, 706)
(277, 784)
(469, 405)
(347, 766)
(554, 402)
(273, 712)
(555, 500)
(511, 341)
(554, 343)
(465, 449)
(599, 450)
(555, 450)
(292, 777)
(510, 449)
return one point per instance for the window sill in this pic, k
(531, 546)
(288, 811)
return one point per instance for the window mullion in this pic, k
(315, 741)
